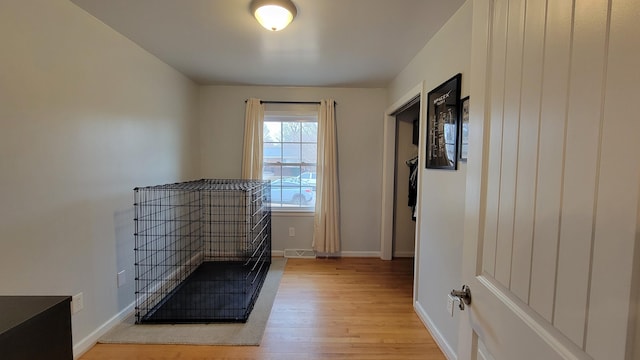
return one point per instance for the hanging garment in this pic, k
(413, 185)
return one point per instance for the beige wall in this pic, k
(359, 114)
(443, 192)
(86, 115)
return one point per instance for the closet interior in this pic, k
(406, 178)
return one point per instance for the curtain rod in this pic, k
(291, 102)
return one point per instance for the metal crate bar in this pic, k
(202, 250)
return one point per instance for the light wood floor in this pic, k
(350, 308)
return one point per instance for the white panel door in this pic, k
(553, 181)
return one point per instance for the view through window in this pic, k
(289, 159)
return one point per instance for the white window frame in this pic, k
(291, 113)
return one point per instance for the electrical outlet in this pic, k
(292, 231)
(77, 303)
(450, 303)
(122, 279)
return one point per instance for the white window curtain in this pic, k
(326, 230)
(252, 149)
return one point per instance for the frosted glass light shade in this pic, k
(273, 15)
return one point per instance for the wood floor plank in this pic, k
(345, 308)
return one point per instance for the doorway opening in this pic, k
(407, 126)
(399, 118)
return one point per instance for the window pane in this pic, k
(291, 194)
(276, 194)
(308, 178)
(291, 131)
(309, 153)
(271, 131)
(310, 170)
(270, 172)
(289, 140)
(272, 152)
(308, 197)
(289, 172)
(296, 194)
(310, 132)
(291, 153)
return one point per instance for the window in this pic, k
(289, 158)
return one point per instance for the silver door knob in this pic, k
(463, 296)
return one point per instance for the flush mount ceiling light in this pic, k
(274, 15)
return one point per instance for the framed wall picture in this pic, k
(443, 103)
(464, 129)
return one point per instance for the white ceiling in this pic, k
(345, 43)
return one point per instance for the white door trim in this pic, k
(388, 168)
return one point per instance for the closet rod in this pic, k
(291, 102)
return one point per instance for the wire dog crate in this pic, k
(202, 250)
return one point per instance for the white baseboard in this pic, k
(404, 254)
(374, 254)
(85, 344)
(435, 333)
(300, 253)
(371, 254)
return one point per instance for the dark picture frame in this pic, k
(464, 129)
(443, 104)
